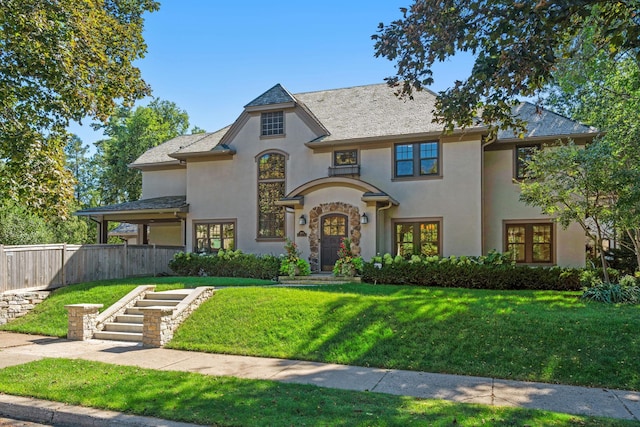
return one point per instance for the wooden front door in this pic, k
(333, 230)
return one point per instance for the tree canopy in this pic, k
(517, 46)
(131, 133)
(61, 61)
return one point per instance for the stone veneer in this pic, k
(18, 303)
(160, 323)
(352, 212)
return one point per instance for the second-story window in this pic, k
(418, 159)
(272, 123)
(345, 158)
(524, 153)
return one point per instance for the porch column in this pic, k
(145, 234)
(103, 230)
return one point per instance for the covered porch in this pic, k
(168, 212)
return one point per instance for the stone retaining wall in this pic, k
(16, 304)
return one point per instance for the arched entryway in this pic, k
(333, 228)
(316, 229)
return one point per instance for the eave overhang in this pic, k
(321, 142)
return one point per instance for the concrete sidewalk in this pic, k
(19, 348)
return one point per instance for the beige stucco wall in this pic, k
(227, 189)
(502, 203)
(455, 197)
(172, 182)
(161, 234)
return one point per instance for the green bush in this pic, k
(226, 264)
(626, 291)
(494, 271)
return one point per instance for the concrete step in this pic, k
(178, 294)
(133, 311)
(157, 302)
(123, 327)
(129, 318)
(118, 336)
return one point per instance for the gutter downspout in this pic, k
(482, 198)
(380, 228)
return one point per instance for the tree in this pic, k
(602, 90)
(82, 167)
(20, 227)
(131, 133)
(573, 185)
(517, 46)
(61, 61)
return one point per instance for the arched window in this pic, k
(271, 187)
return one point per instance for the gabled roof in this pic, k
(160, 153)
(372, 111)
(544, 123)
(358, 114)
(275, 95)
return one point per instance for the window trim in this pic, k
(334, 158)
(517, 176)
(272, 135)
(416, 161)
(222, 221)
(416, 221)
(285, 156)
(528, 224)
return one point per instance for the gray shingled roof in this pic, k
(275, 95)
(156, 203)
(208, 143)
(541, 123)
(160, 153)
(371, 111)
(364, 112)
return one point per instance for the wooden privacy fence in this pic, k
(53, 266)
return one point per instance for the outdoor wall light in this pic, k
(364, 219)
(302, 220)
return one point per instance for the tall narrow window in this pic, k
(530, 243)
(272, 123)
(417, 238)
(271, 188)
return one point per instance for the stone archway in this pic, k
(352, 212)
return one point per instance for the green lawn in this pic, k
(227, 401)
(538, 336)
(50, 316)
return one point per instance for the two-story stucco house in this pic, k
(356, 162)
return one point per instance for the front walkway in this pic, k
(18, 348)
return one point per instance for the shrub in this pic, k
(495, 271)
(226, 264)
(626, 291)
(291, 264)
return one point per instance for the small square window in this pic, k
(272, 123)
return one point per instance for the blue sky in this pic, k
(213, 57)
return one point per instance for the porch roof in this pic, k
(167, 208)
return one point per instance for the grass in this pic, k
(228, 401)
(50, 316)
(543, 336)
